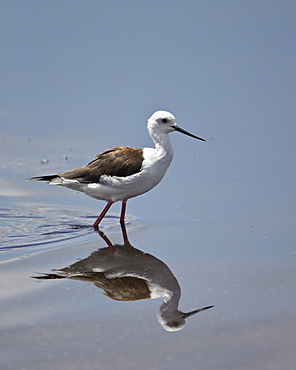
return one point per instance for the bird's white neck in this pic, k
(162, 144)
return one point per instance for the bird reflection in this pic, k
(125, 273)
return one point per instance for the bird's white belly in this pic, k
(122, 188)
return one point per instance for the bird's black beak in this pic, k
(177, 128)
(188, 314)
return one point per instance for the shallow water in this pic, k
(219, 253)
(81, 77)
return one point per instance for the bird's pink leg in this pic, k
(103, 213)
(122, 214)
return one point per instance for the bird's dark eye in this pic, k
(164, 120)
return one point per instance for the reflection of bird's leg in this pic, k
(108, 242)
(124, 233)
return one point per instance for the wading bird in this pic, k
(121, 173)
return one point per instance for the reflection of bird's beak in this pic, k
(185, 315)
(177, 128)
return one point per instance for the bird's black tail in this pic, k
(48, 276)
(42, 178)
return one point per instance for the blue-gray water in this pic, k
(77, 80)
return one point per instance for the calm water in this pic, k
(219, 244)
(219, 230)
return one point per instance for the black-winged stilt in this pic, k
(121, 173)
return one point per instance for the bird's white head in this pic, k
(165, 122)
(161, 121)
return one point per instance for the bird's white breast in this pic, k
(154, 167)
(155, 164)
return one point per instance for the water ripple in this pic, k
(38, 224)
